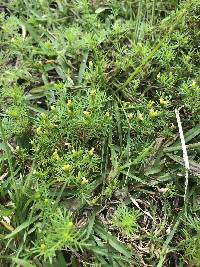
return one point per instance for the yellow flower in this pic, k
(91, 151)
(172, 126)
(66, 167)
(94, 200)
(150, 104)
(158, 75)
(55, 155)
(38, 130)
(163, 101)
(93, 92)
(84, 181)
(139, 116)
(87, 114)
(153, 113)
(70, 224)
(90, 64)
(193, 84)
(69, 102)
(43, 247)
(130, 116)
(107, 114)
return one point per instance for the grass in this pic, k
(91, 168)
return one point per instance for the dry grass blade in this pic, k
(185, 155)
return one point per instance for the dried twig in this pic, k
(137, 205)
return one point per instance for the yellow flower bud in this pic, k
(66, 167)
(163, 101)
(193, 84)
(130, 116)
(150, 104)
(87, 114)
(84, 181)
(91, 151)
(90, 64)
(153, 113)
(55, 155)
(172, 126)
(42, 247)
(69, 102)
(70, 224)
(107, 114)
(94, 201)
(139, 116)
(93, 92)
(38, 130)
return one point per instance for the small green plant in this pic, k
(191, 244)
(88, 91)
(126, 219)
(57, 232)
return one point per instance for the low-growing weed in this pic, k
(88, 91)
(126, 220)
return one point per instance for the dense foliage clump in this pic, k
(92, 171)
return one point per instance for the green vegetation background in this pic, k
(91, 165)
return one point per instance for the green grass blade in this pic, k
(167, 242)
(112, 240)
(21, 227)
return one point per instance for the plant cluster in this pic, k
(91, 166)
